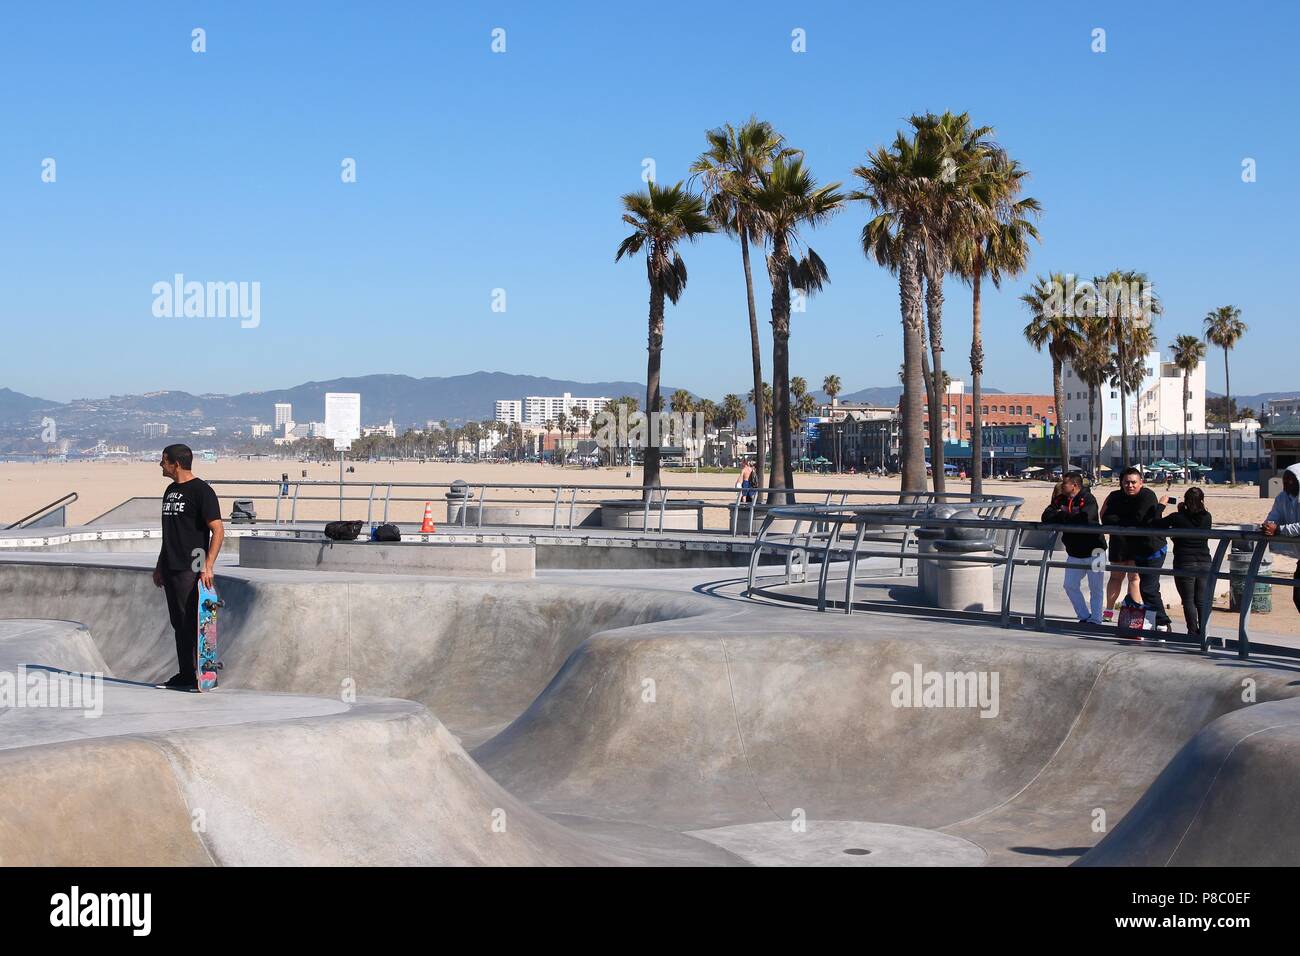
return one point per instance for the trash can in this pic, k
(1261, 601)
(458, 498)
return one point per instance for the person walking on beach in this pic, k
(1283, 521)
(1073, 505)
(1190, 554)
(1134, 506)
(191, 539)
(747, 480)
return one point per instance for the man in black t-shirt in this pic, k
(191, 539)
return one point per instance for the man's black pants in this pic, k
(1149, 585)
(1295, 592)
(182, 590)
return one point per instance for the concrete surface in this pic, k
(398, 557)
(614, 717)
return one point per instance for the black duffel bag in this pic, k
(343, 530)
(388, 532)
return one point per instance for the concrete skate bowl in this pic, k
(477, 653)
(750, 737)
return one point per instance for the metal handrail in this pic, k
(835, 518)
(65, 500)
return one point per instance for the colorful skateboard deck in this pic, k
(205, 650)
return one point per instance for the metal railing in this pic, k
(569, 501)
(829, 543)
(40, 512)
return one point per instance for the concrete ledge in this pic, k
(523, 514)
(630, 513)
(456, 559)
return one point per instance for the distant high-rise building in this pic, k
(539, 408)
(509, 410)
(155, 429)
(283, 413)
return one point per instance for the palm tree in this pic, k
(832, 387)
(731, 168)
(913, 187)
(955, 152)
(681, 402)
(1224, 328)
(994, 241)
(1139, 340)
(733, 411)
(767, 401)
(787, 199)
(660, 217)
(1123, 298)
(1095, 365)
(1189, 352)
(1052, 327)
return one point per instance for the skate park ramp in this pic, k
(552, 722)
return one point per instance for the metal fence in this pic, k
(567, 500)
(820, 531)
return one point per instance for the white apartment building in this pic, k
(1160, 406)
(509, 410)
(538, 409)
(1106, 423)
(390, 429)
(283, 413)
(155, 429)
(261, 431)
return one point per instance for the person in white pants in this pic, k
(1086, 549)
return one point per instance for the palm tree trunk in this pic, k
(934, 312)
(1123, 400)
(782, 475)
(909, 300)
(1094, 449)
(760, 424)
(1058, 395)
(650, 465)
(1227, 387)
(1186, 398)
(976, 372)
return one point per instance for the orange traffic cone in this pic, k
(427, 526)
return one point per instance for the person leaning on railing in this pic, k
(1283, 521)
(1190, 554)
(1072, 505)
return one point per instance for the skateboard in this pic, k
(206, 664)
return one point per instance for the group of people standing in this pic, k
(1134, 506)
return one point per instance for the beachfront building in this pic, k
(1160, 403)
(1106, 417)
(1007, 450)
(996, 408)
(1277, 410)
(389, 430)
(283, 413)
(155, 429)
(508, 410)
(1209, 447)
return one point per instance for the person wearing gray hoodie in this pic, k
(1283, 521)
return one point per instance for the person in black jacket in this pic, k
(1086, 549)
(1134, 506)
(1190, 554)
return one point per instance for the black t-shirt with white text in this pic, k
(186, 510)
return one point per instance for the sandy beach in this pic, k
(101, 485)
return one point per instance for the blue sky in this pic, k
(479, 171)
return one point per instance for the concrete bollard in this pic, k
(964, 585)
(926, 568)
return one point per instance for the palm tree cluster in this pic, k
(761, 191)
(946, 200)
